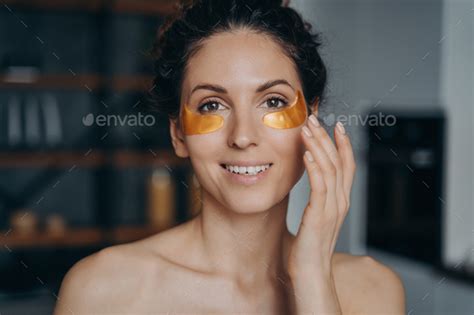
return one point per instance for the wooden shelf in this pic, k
(77, 237)
(88, 82)
(87, 5)
(123, 83)
(71, 238)
(145, 7)
(60, 81)
(149, 7)
(51, 159)
(124, 234)
(92, 158)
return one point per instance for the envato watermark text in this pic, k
(378, 119)
(135, 120)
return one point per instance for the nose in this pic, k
(243, 129)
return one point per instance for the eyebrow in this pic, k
(220, 89)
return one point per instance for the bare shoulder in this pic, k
(367, 286)
(111, 279)
(102, 281)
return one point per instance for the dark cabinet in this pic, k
(405, 194)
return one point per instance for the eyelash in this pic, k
(282, 100)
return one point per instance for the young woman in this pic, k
(238, 80)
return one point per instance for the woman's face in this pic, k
(241, 62)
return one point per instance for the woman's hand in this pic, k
(331, 171)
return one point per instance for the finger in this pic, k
(348, 161)
(327, 167)
(314, 220)
(318, 192)
(336, 199)
(331, 150)
(316, 180)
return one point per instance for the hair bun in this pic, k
(274, 3)
(253, 4)
(265, 3)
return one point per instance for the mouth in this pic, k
(247, 175)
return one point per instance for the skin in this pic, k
(238, 255)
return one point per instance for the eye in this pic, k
(274, 101)
(212, 106)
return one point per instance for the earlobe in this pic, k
(177, 139)
(314, 107)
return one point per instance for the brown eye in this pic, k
(210, 106)
(273, 102)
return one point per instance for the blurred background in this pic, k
(85, 165)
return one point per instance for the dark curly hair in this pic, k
(182, 35)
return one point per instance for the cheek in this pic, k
(203, 146)
(288, 144)
(289, 148)
(204, 151)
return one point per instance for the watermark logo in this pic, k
(135, 120)
(378, 119)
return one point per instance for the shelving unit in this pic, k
(90, 56)
(103, 83)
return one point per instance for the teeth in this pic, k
(249, 170)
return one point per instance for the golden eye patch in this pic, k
(289, 117)
(196, 124)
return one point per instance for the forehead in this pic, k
(239, 60)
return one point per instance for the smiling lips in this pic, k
(247, 170)
(247, 175)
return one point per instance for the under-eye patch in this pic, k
(195, 123)
(289, 117)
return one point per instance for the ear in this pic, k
(314, 107)
(177, 139)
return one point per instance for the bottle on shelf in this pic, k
(194, 195)
(14, 121)
(161, 199)
(24, 222)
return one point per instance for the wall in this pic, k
(457, 86)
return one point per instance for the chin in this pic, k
(250, 205)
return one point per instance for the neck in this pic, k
(248, 248)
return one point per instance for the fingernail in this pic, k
(341, 128)
(309, 156)
(307, 131)
(313, 119)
